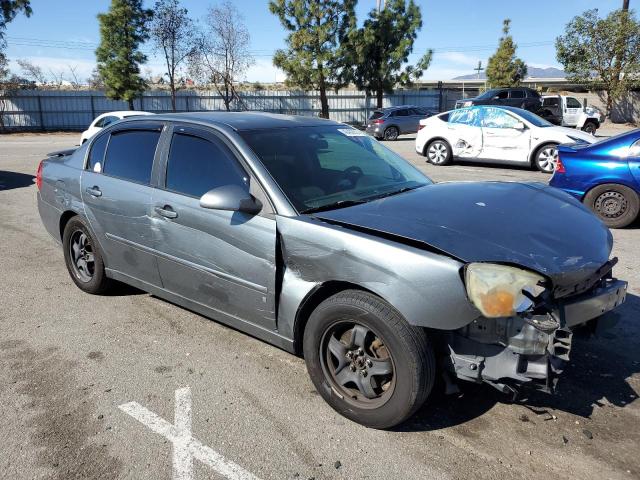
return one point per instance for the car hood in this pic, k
(527, 224)
(570, 132)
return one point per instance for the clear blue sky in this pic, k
(460, 31)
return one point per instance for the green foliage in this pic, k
(601, 52)
(373, 55)
(122, 30)
(504, 68)
(316, 29)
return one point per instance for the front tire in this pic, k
(546, 158)
(616, 205)
(83, 258)
(366, 361)
(438, 152)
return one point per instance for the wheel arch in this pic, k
(610, 181)
(314, 298)
(64, 219)
(433, 139)
(538, 147)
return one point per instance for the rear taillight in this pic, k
(378, 122)
(39, 175)
(559, 166)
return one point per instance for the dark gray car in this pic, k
(389, 123)
(312, 236)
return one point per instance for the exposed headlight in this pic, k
(497, 290)
(467, 104)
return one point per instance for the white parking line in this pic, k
(185, 447)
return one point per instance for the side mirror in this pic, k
(231, 197)
(519, 126)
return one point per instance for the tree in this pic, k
(31, 71)
(316, 29)
(9, 9)
(172, 33)
(95, 81)
(122, 30)
(601, 52)
(220, 55)
(504, 69)
(372, 56)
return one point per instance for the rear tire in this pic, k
(546, 157)
(83, 258)
(616, 205)
(366, 361)
(438, 152)
(391, 134)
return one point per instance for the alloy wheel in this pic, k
(611, 204)
(391, 133)
(358, 364)
(437, 153)
(547, 158)
(81, 252)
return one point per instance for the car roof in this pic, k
(247, 120)
(124, 113)
(396, 107)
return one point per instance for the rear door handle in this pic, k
(167, 211)
(94, 191)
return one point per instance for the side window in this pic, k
(464, 116)
(497, 118)
(517, 94)
(130, 155)
(573, 103)
(197, 165)
(532, 94)
(96, 154)
(550, 102)
(402, 113)
(503, 95)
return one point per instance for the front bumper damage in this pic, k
(530, 349)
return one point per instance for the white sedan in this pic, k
(494, 134)
(105, 119)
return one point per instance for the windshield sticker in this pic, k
(352, 132)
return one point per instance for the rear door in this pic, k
(222, 260)
(517, 98)
(500, 137)
(404, 120)
(116, 193)
(464, 132)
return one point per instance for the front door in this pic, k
(572, 112)
(222, 260)
(502, 136)
(464, 132)
(115, 189)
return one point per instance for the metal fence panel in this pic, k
(74, 110)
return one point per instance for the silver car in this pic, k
(389, 123)
(311, 235)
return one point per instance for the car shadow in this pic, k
(119, 289)
(595, 376)
(11, 180)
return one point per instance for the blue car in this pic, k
(605, 176)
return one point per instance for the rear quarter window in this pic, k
(96, 154)
(376, 115)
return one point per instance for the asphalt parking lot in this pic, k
(71, 364)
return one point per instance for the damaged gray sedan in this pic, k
(312, 236)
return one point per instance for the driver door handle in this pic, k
(167, 211)
(94, 191)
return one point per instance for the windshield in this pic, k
(534, 119)
(319, 168)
